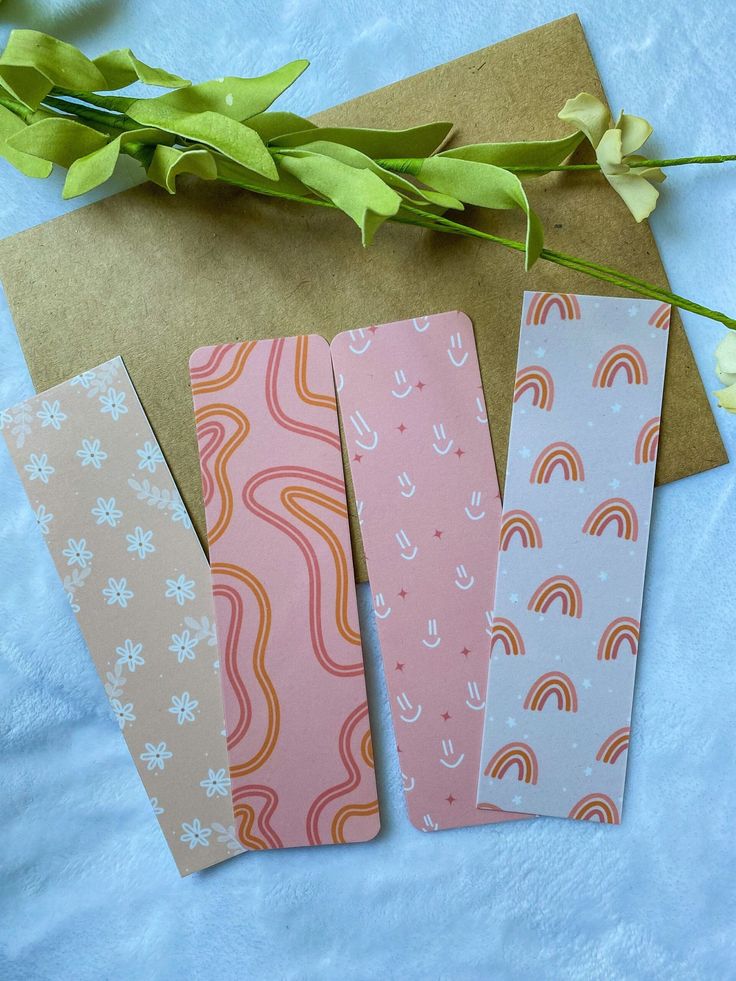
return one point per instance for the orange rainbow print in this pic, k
(647, 442)
(617, 511)
(553, 684)
(538, 381)
(566, 305)
(619, 631)
(561, 455)
(614, 746)
(520, 755)
(562, 588)
(596, 807)
(506, 633)
(621, 358)
(520, 523)
(661, 317)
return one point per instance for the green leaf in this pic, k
(59, 140)
(33, 63)
(168, 163)
(97, 167)
(269, 125)
(31, 166)
(285, 186)
(121, 68)
(535, 153)
(354, 158)
(360, 193)
(419, 141)
(238, 98)
(234, 139)
(486, 186)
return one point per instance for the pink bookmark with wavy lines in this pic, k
(421, 458)
(298, 733)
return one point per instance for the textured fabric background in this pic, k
(87, 888)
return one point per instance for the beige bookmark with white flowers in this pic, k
(139, 584)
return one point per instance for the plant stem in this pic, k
(415, 216)
(412, 165)
(106, 120)
(16, 107)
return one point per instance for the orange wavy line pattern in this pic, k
(366, 748)
(246, 814)
(213, 363)
(300, 378)
(223, 569)
(351, 782)
(231, 375)
(290, 497)
(207, 421)
(345, 813)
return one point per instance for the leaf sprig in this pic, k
(56, 108)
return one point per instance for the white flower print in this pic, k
(107, 512)
(129, 655)
(50, 414)
(157, 809)
(115, 682)
(203, 629)
(155, 757)
(91, 453)
(140, 542)
(195, 834)
(43, 518)
(180, 589)
(217, 783)
(39, 468)
(77, 553)
(227, 836)
(183, 706)
(114, 403)
(124, 713)
(84, 379)
(5, 419)
(150, 457)
(183, 645)
(179, 513)
(117, 591)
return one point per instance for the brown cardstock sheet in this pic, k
(152, 277)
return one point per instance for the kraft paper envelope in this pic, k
(153, 277)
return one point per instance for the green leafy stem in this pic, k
(56, 109)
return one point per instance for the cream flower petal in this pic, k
(639, 196)
(588, 114)
(609, 153)
(634, 132)
(726, 359)
(727, 398)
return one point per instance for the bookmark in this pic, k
(574, 534)
(427, 495)
(138, 582)
(298, 732)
